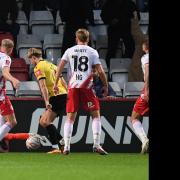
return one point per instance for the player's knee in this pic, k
(134, 116)
(131, 118)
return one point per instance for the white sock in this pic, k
(2, 121)
(139, 130)
(4, 129)
(96, 128)
(68, 128)
(55, 146)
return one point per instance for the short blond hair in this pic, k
(34, 52)
(7, 43)
(82, 35)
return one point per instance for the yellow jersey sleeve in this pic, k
(39, 72)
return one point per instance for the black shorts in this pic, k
(58, 103)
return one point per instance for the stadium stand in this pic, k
(144, 22)
(5, 35)
(98, 29)
(132, 89)
(52, 47)
(9, 89)
(59, 24)
(23, 22)
(115, 86)
(26, 41)
(144, 18)
(19, 69)
(28, 89)
(119, 68)
(104, 65)
(97, 17)
(101, 44)
(41, 23)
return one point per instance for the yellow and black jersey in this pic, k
(46, 70)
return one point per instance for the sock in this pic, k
(51, 130)
(139, 130)
(68, 128)
(20, 136)
(96, 128)
(4, 129)
(59, 137)
(55, 146)
(2, 121)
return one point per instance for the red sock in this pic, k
(11, 136)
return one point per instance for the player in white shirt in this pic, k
(141, 106)
(6, 109)
(80, 59)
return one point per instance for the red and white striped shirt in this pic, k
(5, 61)
(80, 59)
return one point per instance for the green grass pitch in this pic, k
(75, 166)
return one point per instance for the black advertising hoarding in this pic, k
(117, 132)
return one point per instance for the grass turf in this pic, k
(76, 166)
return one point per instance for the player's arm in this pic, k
(58, 73)
(146, 82)
(103, 78)
(6, 74)
(44, 91)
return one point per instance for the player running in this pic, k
(142, 103)
(80, 59)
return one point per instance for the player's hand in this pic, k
(16, 83)
(56, 89)
(104, 91)
(48, 106)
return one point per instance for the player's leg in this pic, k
(68, 129)
(8, 125)
(46, 122)
(7, 112)
(96, 128)
(71, 109)
(140, 108)
(10, 121)
(4, 144)
(91, 103)
(2, 121)
(58, 106)
(17, 136)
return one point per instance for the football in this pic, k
(33, 142)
